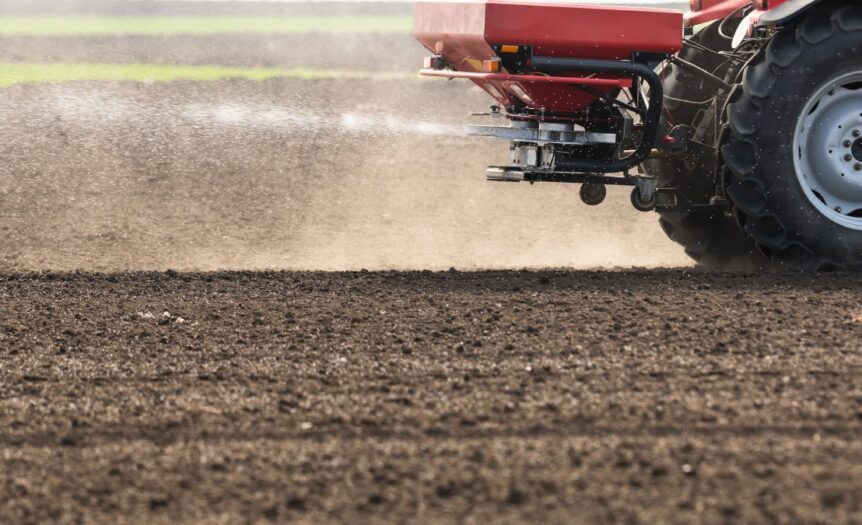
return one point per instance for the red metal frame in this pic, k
(583, 31)
(716, 9)
(583, 81)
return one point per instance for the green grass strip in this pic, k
(195, 25)
(12, 73)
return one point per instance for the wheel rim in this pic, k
(828, 150)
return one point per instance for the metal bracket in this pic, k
(514, 174)
(547, 136)
(670, 199)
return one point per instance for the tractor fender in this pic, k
(784, 12)
(780, 14)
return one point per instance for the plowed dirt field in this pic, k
(505, 397)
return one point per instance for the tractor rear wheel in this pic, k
(713, 239)
(794, 146)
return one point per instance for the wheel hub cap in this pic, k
(828, 150)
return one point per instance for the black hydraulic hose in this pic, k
(706, 75)
(650, 120)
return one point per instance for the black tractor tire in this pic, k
(712, 239)
(758, 150)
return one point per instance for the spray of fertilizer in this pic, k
(353, 122)
(391, 124)
(193, 177)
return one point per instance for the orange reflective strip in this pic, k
(491, 66)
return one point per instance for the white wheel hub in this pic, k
(827, 147)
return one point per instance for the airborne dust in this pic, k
(331, 174)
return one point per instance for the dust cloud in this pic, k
(326, 174)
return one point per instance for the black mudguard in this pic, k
(785, 12)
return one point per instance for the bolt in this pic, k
(848, 157)
(857, 166)
(856, 133)
(847, 143)
(838, 209)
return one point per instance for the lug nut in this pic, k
(857, 166)
(847, 143)
(856, 133)
(838, 209)
(848, 157)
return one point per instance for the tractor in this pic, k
(738, 122)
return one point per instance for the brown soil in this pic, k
(501, 397)
(327, 174)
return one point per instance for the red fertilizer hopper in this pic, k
(745, 134)
(505, 47)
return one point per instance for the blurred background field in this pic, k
(251, 40)
(39, 25)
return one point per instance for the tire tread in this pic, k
(760, 219)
